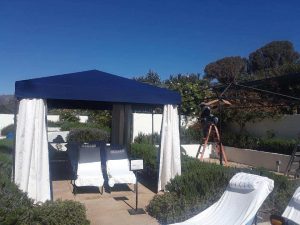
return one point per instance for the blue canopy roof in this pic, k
(87, 88)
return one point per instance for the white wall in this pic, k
(5, 120)
(286, 127)
(142, 123)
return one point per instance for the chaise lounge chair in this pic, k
(117, 166)
(291, 214)
(239, 204)
(88, 169)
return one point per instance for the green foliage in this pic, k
(226, 70)
(148, 153)
(60, 212)
(5, 157)
(53, 124)
(67, 126)
(17, 208)
(150, 78)
(147, 138)
(267, 144)
(100, 118)
(273, 55)
(8, 129)
(87, 135)
(201, 184)
(68, 115)
(192, 89)
(192, 135)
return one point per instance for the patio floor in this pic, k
(108, 208)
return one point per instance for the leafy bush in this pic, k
(17, 208)
(268, 144)
(87, 135)
(201, 184)
(147, 138)
(53, 124)
(67, 115)
(192, 135)
(148, 153)
(8, 129)
(5, 156)
(60, 212)
(67, 126)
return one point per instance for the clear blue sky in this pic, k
(127, 38)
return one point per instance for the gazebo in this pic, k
(91, 89)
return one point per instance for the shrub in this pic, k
(5, 156)
(68, 116)
(87, 135)
(201, 184)
(67, 126)
(8, 129)
(192, 135)
(60, 212)
(17, 208)
(148, 153)
(268, 144)
(147, 138)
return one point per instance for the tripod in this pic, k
(214, 133)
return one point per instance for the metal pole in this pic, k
(136, 192)
(152, 137)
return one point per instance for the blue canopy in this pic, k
(86, 89)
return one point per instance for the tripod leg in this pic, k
(205, 142)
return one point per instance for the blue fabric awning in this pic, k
(87, 88)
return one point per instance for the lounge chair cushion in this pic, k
(89, 172)
(244, 181)
(237, 206)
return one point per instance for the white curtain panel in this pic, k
(31, 154)
(170, 163)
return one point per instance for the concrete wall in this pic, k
(255, 158)
(286, 127)
(249, 157)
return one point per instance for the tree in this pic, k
(273, 55)
(150, 78)
(226, 70)
(192, 89)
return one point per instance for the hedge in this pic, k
(201, 184)
(148, 153)
(17, 208)
(87, 135)
(267, 144)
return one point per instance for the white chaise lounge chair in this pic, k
(89, 171)
(118, 168)
(239, 204)
(291, 214)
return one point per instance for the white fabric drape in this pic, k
(169, 164)
(292, 211)
(238, 205)
(31, 153)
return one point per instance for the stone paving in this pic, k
(108, 208)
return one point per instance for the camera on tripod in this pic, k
(207, 118)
